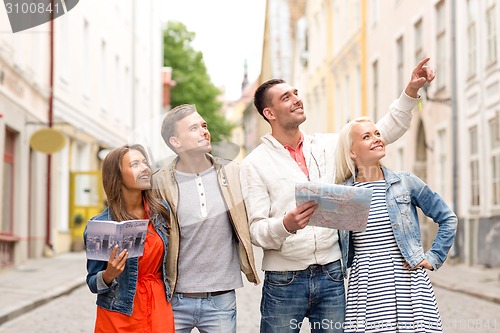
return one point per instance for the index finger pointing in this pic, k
(422, 62)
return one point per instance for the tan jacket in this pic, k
(229, 182)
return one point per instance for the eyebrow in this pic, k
(368, 132)
(291, 91)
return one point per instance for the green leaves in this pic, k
(193, 84)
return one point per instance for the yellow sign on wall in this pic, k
(47, 140)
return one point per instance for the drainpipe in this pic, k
(48, 238)
(454, 116)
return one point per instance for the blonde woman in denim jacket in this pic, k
(389, 289)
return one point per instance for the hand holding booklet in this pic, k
(102, 236)
(340, 207)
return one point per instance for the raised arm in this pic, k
(394, 124)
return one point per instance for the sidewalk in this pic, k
(475, 281)
(38, 281)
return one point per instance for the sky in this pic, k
(228, 32)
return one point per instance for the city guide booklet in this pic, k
(102, 236)
(340, 207)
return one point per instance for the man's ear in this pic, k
(268, 113)
(174, 142)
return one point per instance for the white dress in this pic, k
(382, 296)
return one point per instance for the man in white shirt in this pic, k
(304, 266)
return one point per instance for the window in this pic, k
(86, 60)
(375, 12)
(491, 35)
(400, 66)
(104, 78)
(442, 162)
(338, 108)
(495, 159)
(401, 159)
(347, 94)
(375, 90)
(440, 45)
(474, 166)
(471, 37)
(8, 182)
(118, 90)
(419, 48)
(357, 93)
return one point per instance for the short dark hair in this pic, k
(261, 99)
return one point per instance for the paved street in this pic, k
(75, 313)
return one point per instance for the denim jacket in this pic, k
(404, 193)
(120, 295)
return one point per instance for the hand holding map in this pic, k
(340, 207)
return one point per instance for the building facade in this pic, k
(98, 83)
(353, 58)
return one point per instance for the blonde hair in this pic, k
(344, 165)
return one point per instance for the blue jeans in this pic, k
(317, 293)
(214, 314)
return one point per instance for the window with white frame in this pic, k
(491, 33)
(337, 27)
(357, 92)
(474, 166)
(86, 59)
(471, 37)
(495, 159)
(338, 108)
(357, 14)
(117, 110)
(375, 89)
(375, 11)
(347, 97)
(400, 65)
(419, 47)
(401, 158)
(442, 149)
(441, 45)
(104, 78)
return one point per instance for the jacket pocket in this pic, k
(403, 202)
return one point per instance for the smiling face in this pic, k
(136, 173)
(287, 109)
(192, 135)
(367, 145)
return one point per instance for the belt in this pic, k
(205, 295)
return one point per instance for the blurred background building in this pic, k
(353, 58)
(97, 78)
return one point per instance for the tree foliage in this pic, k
(193, 84)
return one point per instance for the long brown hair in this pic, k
(112, 183)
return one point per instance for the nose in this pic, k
(296, 99)
(204, 131)
(144, 166)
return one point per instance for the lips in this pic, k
(145, 176)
